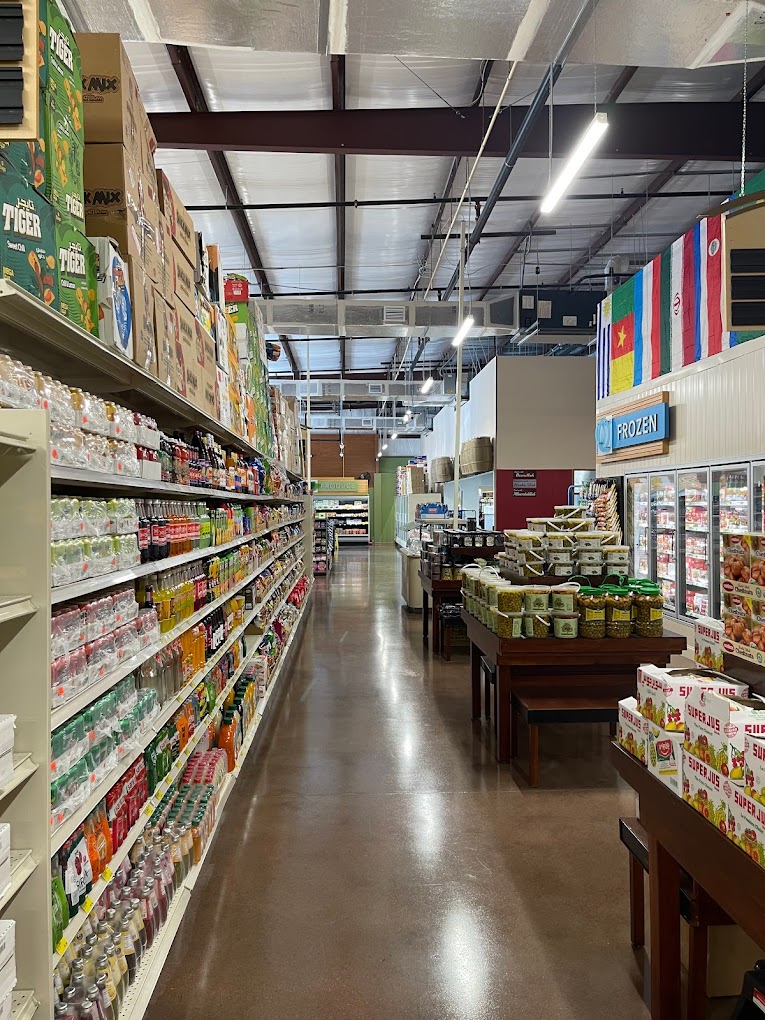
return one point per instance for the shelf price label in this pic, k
(61, 946)
(87, 906)
(107, 874)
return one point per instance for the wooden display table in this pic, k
(556, 667)
(437, 591)
(680, 838)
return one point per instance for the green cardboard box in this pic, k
(28, 243)
(64, 154)
(28, 158)
(77, 277)
(60, 65)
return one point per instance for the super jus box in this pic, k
(747, 825)
(754, 767)
(715, 727)
(703, 790)
(28, 252)
(662, 693)
(77, 277)
(708, 638)
(632, 729)
(115, 308)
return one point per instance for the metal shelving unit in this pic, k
(352, 512)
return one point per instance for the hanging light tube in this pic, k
(573, 164)
(394, 435)
(467, 324)
(427, 385)
(385, 446)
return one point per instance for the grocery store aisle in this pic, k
(374, 861)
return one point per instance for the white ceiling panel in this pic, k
(368, 354)
(157, 81)
(250, 80)
(325, 355)
(683, 85)
(577, 83)
(374, 81)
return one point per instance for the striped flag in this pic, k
(670, 314)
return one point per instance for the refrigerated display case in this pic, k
(730, 512)
(693, 542)
(638, 524)
(758, 496)
(663, 522)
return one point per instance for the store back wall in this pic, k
(360, 455)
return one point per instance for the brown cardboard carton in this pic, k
(215, 288)
(164, 328)
(210, 404)
(183, 283)
(166, 282)
(181, 224)
(114, 196)
(112, 105)
(189, 367)
(144, 339)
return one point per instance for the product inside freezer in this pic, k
(733, 499)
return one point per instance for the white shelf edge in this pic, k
(140, 993)
(77, 589)
(151, 804)
(23, 1005)
(70, 708)
(13, 607)
(23, 865)
(23, 768)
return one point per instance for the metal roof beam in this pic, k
(183, 65)
(667, 131)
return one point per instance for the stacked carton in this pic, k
(286, 429)
(253, 364)
(44, 249)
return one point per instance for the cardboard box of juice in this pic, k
(703, 789)
(28, 243)
(754, 767)
(747, 825)
(662, 693)
(115, 307)
(708, 637)
(715, 727)
(632, 729)
(77, 277)
(664, 757)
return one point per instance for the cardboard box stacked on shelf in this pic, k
(413, 477)
(44, 249)
(253, 364)
(286, 429)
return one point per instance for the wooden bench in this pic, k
(556, 708)
(696, 907)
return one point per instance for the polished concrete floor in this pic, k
(375, 863)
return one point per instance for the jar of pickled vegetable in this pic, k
(510, 598)
(537, 625)
(509, 625)
(591, 605)
(649, 610)
(618, 612)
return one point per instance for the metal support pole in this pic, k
(308, 411)
(458, 405)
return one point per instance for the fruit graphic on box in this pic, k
(77, 277)
(28, 253)
(632, 730)
(715, 727)
(705, 791)
(750, 818)
(708, 635)
(754, 767)
(662, 693)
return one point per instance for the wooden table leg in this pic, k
(664, 894)
(533, 754)
(425, 616)
(503, 713)
(637, 903)
(486, 695)
(697, 971)
(446, 644)
(514, 714)
(475, 679)
(436, 600)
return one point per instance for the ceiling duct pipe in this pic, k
(532, 115)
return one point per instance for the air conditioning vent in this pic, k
(367, 423)
(394, 315)
(376, 388)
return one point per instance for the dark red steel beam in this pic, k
(709, 131)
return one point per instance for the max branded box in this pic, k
(181, 224)
(632, 729)
(111, 101)
(142, 296)
(715, 727)
(662, 693)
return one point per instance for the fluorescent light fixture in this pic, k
(462, 332)
(427, 385)
(385, 446)
(407, 416)
(573, 164)
(394, 435)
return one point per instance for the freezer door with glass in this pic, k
(730, 512)
(693, 535)
(758, 497)
(663, 521)
(638, 524)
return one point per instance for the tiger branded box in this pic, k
(28, 158)
(64, 156)
(662, 693)
(77, 277)
(703, 789)
(632, 729)
(60, 60)
(28, 243)
(181, 224)
(115, 308)
(715, 728)
(664, 757)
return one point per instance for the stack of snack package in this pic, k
(249, 332)
(44, 248)
(286, 429)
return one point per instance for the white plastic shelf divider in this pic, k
(60, 715)
(23, 768)
(78, 589)
(87, 479)
(11, 443)
(13, 607)
(23, 1005)
(23, 865)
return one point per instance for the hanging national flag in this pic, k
(623, 337)
(603, 348)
